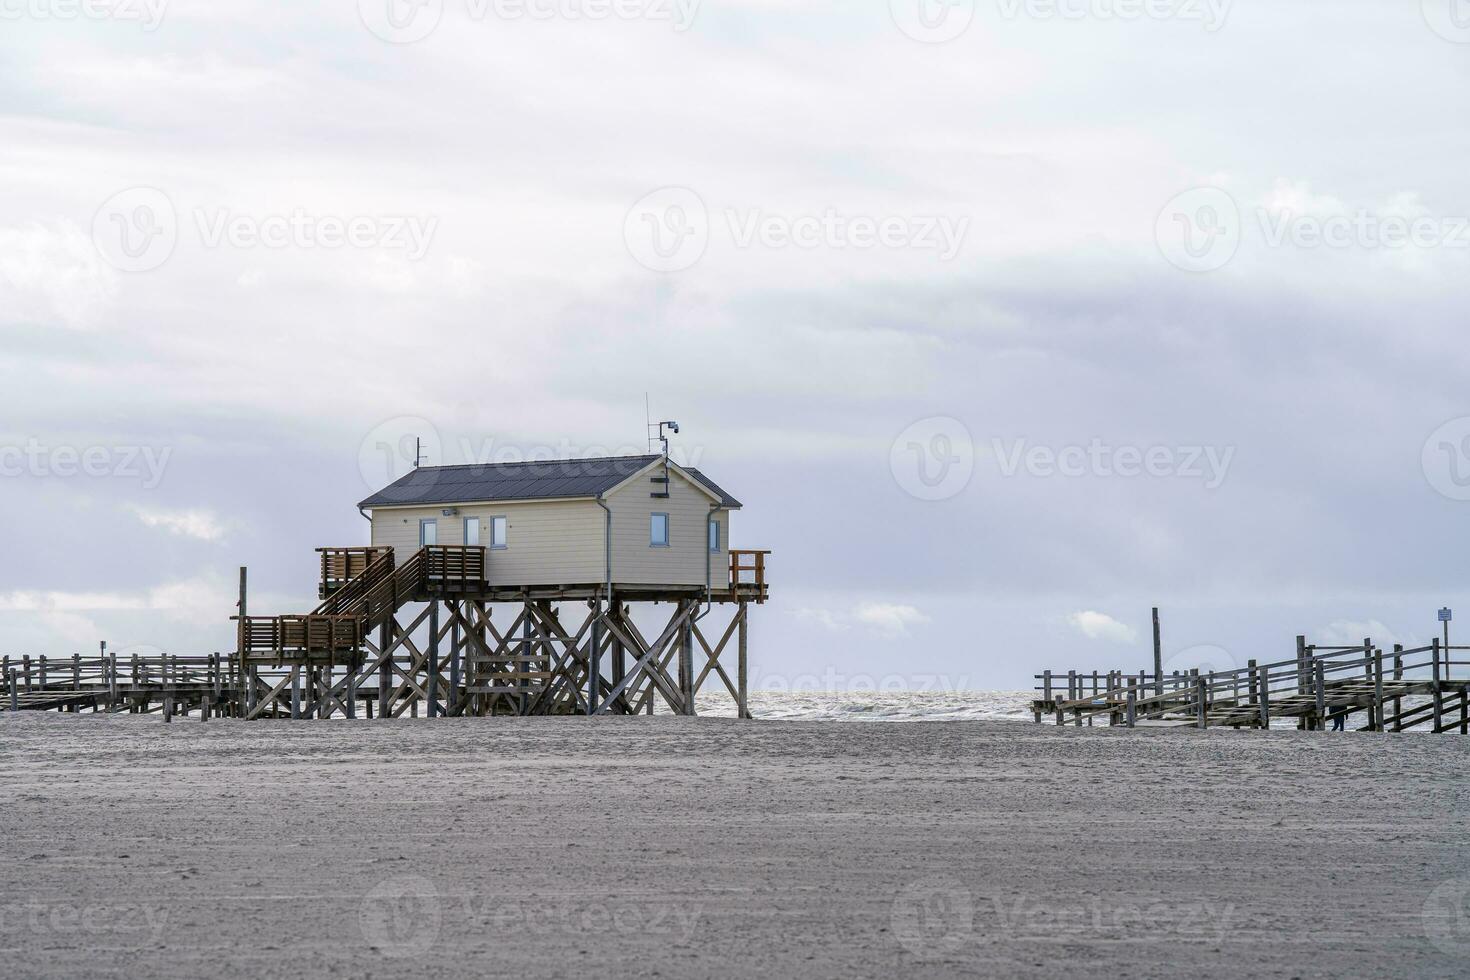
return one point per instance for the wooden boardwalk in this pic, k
(1360, 687)
(423, 636)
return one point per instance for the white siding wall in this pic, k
(554, 542)
(683, 561)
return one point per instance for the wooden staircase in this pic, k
(361, 589)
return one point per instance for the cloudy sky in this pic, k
(1007, 319)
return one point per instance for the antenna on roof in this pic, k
(647, 423)
(418, 451)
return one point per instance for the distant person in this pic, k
(1339, 724)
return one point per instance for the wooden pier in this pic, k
(429, 635)
(1361, 687)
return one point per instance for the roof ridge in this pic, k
(535, 462)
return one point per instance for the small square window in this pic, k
(658, 531)
(497, 532)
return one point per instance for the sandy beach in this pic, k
(710, 847)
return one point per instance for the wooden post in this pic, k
(14, 690)
(246, 691)
(1132, 711)
(594, 657)
(352, 692)
(741, 662)
(295, 693)
(1265, 685)
(1377, 720)
(619, 656)
(1438, 694)
(431, 688)
(523, 698)
(1319, 684)
(454, 666)
(385, 670)
(1199, 693)
(1158, 657)
(686, 662)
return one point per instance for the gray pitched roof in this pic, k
(537, 480)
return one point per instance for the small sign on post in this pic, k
(1445, 615)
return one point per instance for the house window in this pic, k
(658, 531)
(497, 532)
(428, 533)
(714, 535)
(472, 531)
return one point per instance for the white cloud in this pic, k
(51, 274)
(825, 618)
(204, 600)
(202, 525)
(1101, 626)
(889, 619)
(1347, 632)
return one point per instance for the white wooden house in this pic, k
(625, 521)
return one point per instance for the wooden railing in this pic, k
(341, 565)
(459, 567)
(348, 597)
(338, 626)
(1257, 689)
(748, 572)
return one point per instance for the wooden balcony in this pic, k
(748, 574)
(333, 639)
(453, 568)
(341, 565)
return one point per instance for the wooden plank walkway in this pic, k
(1361, 686)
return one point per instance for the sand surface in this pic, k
(713, 848)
